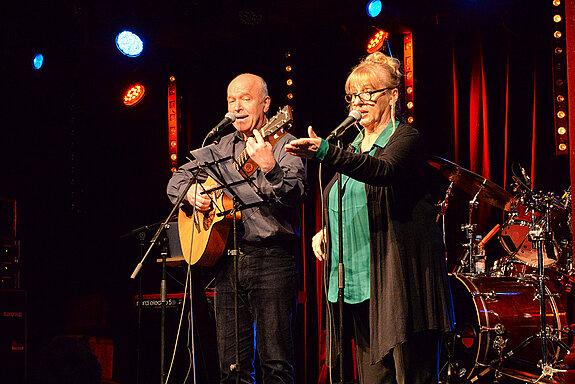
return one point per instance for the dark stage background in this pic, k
(84, 169)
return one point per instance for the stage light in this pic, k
(409, 98)
(173, 123)
(377, 40)
(134, 95)
(37, 61)
(560, 81)
(289, 80)
(129, 44)
(374, 8)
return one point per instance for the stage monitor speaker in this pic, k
(13, 335)
(207, 371)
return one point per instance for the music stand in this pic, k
(240, 191)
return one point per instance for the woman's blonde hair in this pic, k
(376, 70)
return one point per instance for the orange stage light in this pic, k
(134, 95)
(377, 40)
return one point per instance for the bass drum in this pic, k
(494, 317)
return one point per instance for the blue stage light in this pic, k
(374, 8)
(129, 43)
(37, 61)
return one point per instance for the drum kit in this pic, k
(512, 317)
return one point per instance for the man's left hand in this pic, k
(260, 151)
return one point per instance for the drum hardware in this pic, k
(491, 295)
(490, 337)
(499, 343)
(548, 371)
(537, 296)
(540, 235)
(499, 329)
(473, 259)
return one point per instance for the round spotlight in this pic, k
(374, 8)
(37, 61)
(561, 130)
(134, 95)
(377, 40)
(129, 44)
(562, 147)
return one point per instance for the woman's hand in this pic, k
(305, 147)
(318, 245)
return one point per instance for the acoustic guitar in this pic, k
(203, 235)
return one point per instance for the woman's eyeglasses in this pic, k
(364, 96)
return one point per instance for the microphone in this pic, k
(353, 117)
(227, 120)
(525, 176)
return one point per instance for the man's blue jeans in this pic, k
(267, 294)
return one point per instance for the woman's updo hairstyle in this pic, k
(377, 71)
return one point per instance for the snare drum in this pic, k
(494, 316)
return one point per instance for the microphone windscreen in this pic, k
(231, 116)
(355, 114)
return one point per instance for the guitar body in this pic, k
(203, 235)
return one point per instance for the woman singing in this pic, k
(396, 285)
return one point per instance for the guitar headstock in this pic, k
(279, 121)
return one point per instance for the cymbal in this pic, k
(472, 183)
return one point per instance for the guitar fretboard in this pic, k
(270, 128)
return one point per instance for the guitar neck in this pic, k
(244, 163)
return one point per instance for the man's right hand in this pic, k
(197, 199)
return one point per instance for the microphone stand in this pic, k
(340, 270)
(141, 232)
(336, 134)
(163, 294)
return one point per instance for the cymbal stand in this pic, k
(538, 235)
(467, 260)
(443, 204)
